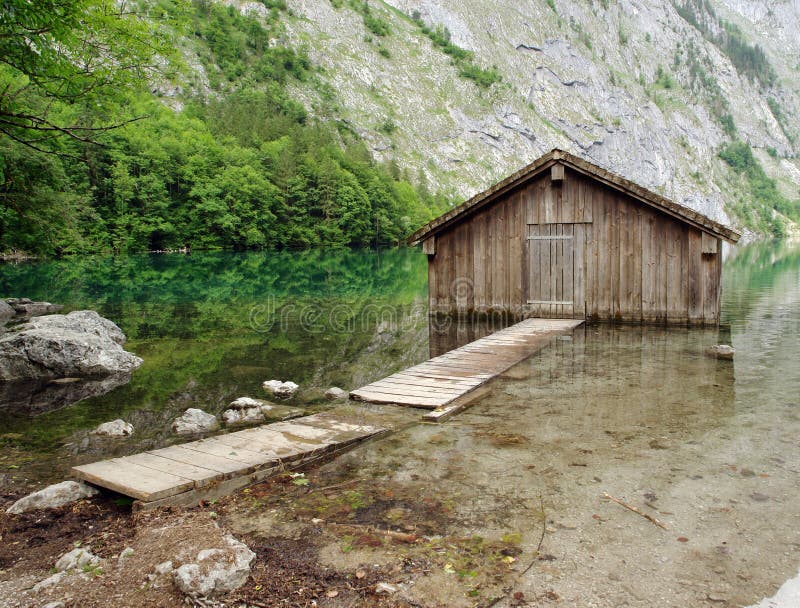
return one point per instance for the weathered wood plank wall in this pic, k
(576, 248)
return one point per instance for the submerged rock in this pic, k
(57, 495)
(216, 571)
(80, 344)
(281, 390)
(32, 397)
(194, 421)
(721, 351)
(335, 393)
(77, 558)
(115, 428)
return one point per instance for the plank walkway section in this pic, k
(444, 383)
(216, 466)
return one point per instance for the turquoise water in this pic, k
(212, 327)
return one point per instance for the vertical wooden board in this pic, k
(530, 196)
(550, 207)
(469, 265)
(623, 304)
(661, 268)
(516, 259)
(605, 256)
(614, 246)
(569, 196)
(524, 230)
(486, 217)
(499, 259)
(676, 311)
(445, 273)
(694, 264)
(534, 254)
(593, 234)
(636, 260)
(585, 201)
(709, 243)
(479, 263)
(648, 266)
(545, 267)
(459, 240)
(568, 286)
(432, 295)
(579, 270)
(710, 287)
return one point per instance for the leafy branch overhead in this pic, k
(60, 57)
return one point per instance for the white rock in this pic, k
(115, 428)
(52, 496)
(125, 554)
(194, 421)
(385, 589)
(51, 580)
(216, 571)
(245, 403)
(164, 568)
(282, 390)
(77, 558)
(334, 393)
(55, 604)
(242, 416)
(721, 351)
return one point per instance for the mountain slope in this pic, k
(647, 89)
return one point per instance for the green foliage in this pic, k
(701, 81)
(777, 112)
(244, 169)
(622, 35)
(766, 198)
(462, 58)
(583, 36)
(663, 79)
(552, 5)
(62, 57)
(374, 23)
(750, 61)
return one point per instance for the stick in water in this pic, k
(635, 510)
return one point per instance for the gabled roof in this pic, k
(580, 165)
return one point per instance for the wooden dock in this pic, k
(443, 382)
(212, 467)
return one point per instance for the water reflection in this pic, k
(36, 397)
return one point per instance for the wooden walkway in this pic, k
(212, 467)
(441, 381)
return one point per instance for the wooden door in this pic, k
(555, 265)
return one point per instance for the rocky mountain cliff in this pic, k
(464, 92)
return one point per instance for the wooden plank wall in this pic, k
(631, 263)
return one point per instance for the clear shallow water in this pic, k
(212, 327)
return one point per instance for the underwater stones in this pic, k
(81, 344)
(194, 421)
(721, 351)
(216, 571)
(115, 428)
(279, 389)
(335, 393)
(53, 496)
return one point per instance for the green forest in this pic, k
(93, 159)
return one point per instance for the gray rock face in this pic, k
(216, 571)
(6, 312)
(281, 390)
(53, 496)
(721, 351)
(194, 421)
(335, 393)
(115, 428)
(77, 558)
(80, 344)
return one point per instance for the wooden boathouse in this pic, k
(565, 238)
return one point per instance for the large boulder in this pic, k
(6, 312)
(193, 422)
(80, 344)
(216, 571)
(57, 495)
(76, 559)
